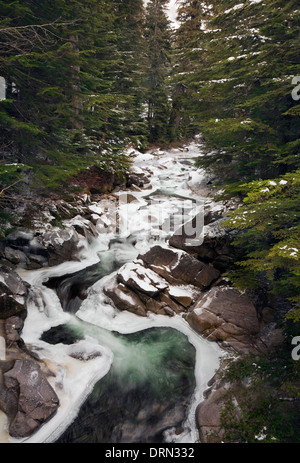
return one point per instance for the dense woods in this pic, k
(86, 79)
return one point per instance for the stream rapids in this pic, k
(119, 377)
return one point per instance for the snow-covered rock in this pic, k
(13, 292)
(32, 400)
(142, 279)
(179, 267)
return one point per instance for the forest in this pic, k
(85, 79)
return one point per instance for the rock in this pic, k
(162, 304)
(20, 238)
(29, 397)
(61, 245)
(178, 267)
(209, 417)
(209, 412)
(13, 329)
(124, 298)
(84, 351)
(15, 256)
(211, 241)
(83, 227)
(141, 279)
(137, 176)
(24, 250)
(60, 334)
(183, 294)
(13, 293)
(203, 323)
(269, 339)
(35, 261)
(140, 290)
(127, 198)
(226, 314)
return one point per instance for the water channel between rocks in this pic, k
(122, 378)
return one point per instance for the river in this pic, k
(120, 377)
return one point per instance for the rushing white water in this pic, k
(141, 223)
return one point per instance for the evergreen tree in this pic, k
(62, 110)
(128, 77)
(158, 36)
(188, 57)
(241, 93)
(237, 62)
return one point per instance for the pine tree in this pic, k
(62, 110)
(237, 62)
(188, 56)
(158, 36)
(128, 76)
(242, 94)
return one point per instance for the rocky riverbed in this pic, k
(118, 262)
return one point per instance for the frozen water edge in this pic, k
(208, 354)
(75, 378)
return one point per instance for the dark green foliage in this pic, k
(236, 62)
(69, 99)
(269, 235)
(158, 38)
(268, 407)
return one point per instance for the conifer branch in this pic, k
(22, 39)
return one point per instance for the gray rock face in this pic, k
(142, 279)
(13, 292)
(179, 267)
(226, 315)
(61, 245)
(163, 281)
(30, 399)
(211, 244)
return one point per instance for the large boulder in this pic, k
(139, 289)
(13, 293)
(163, 281)
(30, 400)
(124, 298)
(137, 176)
(226, 315)
(62, 245)
(139, 278)
(179, 267)
(139, 302)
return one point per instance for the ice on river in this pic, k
(78, 367)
